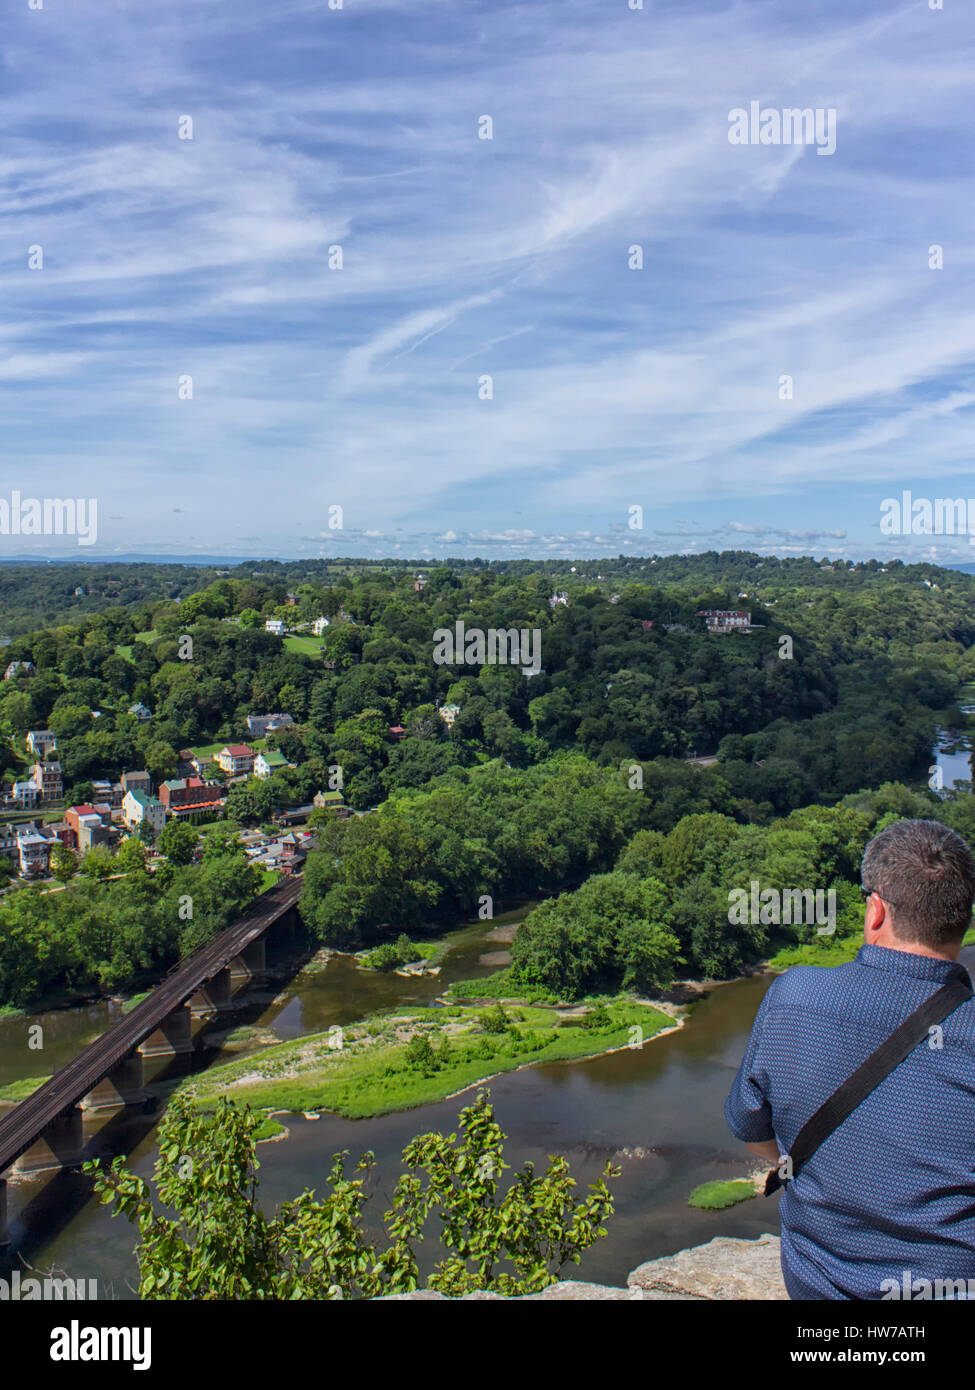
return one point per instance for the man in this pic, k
(892, 1189)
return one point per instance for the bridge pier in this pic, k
(213, 997)
(4, 1228)
(122, 1086)
(252, 961)
(59, 1145)
(173, 1037)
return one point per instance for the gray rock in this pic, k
(723, 1269)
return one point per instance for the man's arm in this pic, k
(747, 1109)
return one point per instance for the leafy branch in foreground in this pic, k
(209, 1239)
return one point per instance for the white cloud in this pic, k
(464, 257)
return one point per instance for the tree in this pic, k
(160, 759)
(64, 863)
(178, 841)
(220, 1243)
(615, 930)
(131, 857)
(71, 721)
(98, 863)
(250, 802)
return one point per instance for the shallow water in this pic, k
(656, 1112)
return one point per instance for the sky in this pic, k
(486, 372)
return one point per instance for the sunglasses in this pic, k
(866, 893)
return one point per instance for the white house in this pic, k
(26, 794)
(274, 625)
(260, 724)
(266, 764)
(139, 806)
(34, 851)
(320, 624)
(236, 758)
(725, 619)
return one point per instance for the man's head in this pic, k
(921, 882)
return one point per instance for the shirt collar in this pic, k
(907, 963)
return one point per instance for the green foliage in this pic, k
(495, 1020)
(598, 1017)
(715, 1196)
(269, 1129)
(220, 1244)
(178, 842)
(420, 1054)
(614, 930)
(501, 985)
(131, 856)
(64, 863)
(392, 954)
(541, 784)
(98, 862)
(98, 934)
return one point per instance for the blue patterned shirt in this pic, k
(892, 1190)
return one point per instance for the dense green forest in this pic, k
(541, 781)
(648, 871)
(871, 655)
(101, 934)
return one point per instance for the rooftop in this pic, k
(143, 799)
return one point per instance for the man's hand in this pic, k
(769, 1150)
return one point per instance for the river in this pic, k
(952, 755)
(656, 1112)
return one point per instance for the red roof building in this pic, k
(181, 796)
(236, 758)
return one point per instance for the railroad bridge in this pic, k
(45, 1130)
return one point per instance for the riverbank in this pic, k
(411, 1058)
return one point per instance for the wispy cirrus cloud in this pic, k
(785, 355)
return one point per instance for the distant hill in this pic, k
(133, 558)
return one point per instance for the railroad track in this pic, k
(25, 1123)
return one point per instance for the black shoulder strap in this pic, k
(867, 1078)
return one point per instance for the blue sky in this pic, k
(359, 387)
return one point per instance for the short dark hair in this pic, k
(927, 873)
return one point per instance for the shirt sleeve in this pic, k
(748, 1110)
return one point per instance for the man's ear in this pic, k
(875, 915)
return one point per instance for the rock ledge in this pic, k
(725, 1268)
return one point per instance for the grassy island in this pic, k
(411, 1058)
(715, 1196)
